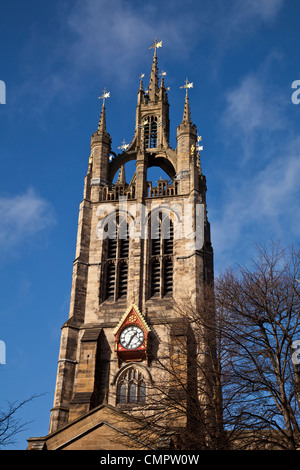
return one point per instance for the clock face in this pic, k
(132, 337)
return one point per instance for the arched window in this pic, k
(161, 255)
(116, 266)
(131, 387)
(150, 132)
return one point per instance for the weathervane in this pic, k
(187, 85)
(142, 76)
(156, 45)
(106, 94)
(163, 74)
(199, 147)
(124, 146)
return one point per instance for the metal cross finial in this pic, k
(106, 94)
(142, 76)
(163, 73)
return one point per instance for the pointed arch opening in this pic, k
(161, 176)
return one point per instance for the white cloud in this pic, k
(260, 208)
(110, 39)
(242, 16)
(251, 106)
(22, 217)
(266, 9)
(235, 20)
(114, 35)
(255, 111)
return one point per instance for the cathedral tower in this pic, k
(142, 249)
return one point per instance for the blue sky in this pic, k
(55, 59)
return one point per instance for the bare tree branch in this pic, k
(10, 423)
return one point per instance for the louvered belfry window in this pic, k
(161, 256)
(110, 280)
(123, 276)
(155, 278)
(150, 132)
(116, 265)
(168, 277)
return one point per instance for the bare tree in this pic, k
(10, 423)
(227, 379)
(258, 310)
(184, 405)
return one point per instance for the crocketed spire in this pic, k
(102, 120)
(153, 84)
(186, 113)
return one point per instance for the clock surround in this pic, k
(131, 336)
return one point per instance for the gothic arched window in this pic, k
(150, 132)
(131, 387)
(116, 265)
(161, 255)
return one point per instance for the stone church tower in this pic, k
(142, 249)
